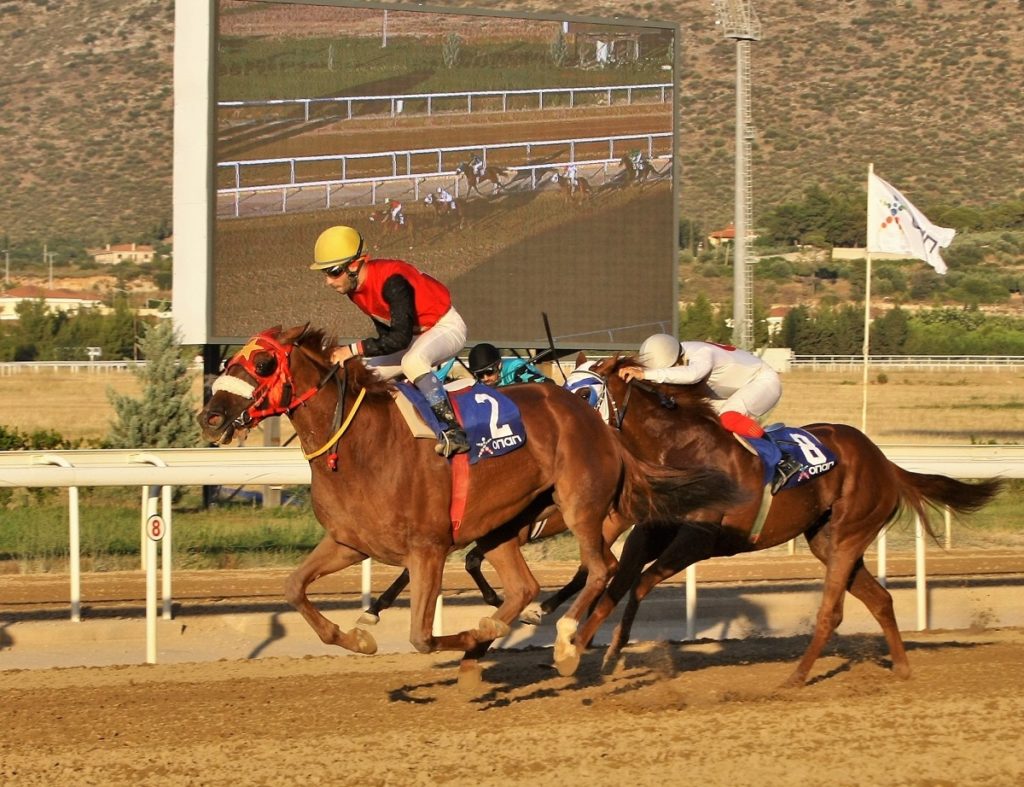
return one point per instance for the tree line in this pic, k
(839, 330)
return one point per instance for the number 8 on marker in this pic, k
(155, 527)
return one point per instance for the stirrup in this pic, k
(452, 441)
(785, 470)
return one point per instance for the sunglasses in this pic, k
(335, 271)
(490, 371)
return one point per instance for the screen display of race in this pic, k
(526, 162)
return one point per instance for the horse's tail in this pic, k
(652, 493)
(924, 493)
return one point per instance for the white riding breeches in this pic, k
(755, 398)
(435, 345)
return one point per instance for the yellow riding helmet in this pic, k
(336, 246)
(660, 351)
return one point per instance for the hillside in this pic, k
(930, 91)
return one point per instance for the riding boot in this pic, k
(787, 467)
(453, 438)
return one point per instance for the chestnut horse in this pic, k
(382, 218)
(379, 492)
(839, 512)
(572, 192)
(490, 174)
(444, 212)
(634, 174)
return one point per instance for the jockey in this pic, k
(477, 165)
(395, 212)
(636, 158)
(570, 175)
(743, 387)
(445, 198)
(417, 326)
(488, 367)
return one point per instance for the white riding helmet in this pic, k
(660, 351)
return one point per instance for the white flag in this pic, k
(895, 225)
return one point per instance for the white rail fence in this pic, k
(431, 161)
(319, 109)
(833, 363)
(157, 471)
(327, 194)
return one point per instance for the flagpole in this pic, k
(867, 322)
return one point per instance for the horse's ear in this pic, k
(581, 358)
(294, 335)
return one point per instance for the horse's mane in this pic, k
(318, 343)
(694, 395)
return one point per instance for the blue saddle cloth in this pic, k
(797, 443)
(492, 421)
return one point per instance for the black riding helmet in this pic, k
(482, 357)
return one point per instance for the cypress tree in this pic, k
(164, 416)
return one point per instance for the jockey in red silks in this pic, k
(417, 326)
(743, 387)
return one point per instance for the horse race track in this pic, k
(704, 712)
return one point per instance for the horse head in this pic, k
(274, 373)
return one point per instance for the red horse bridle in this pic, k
(274, 391)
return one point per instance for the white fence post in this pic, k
(74, 539)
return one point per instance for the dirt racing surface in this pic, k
(707, 712)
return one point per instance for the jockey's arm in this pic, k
(399, 295)
(699, 365)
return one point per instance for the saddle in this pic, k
(492, 421)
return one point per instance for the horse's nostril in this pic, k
(214, 419)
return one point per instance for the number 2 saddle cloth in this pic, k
(492, 421)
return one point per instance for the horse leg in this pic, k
(327, 557)
(841, 560)
(426, 568)
(689, 544)
(474, 559)
(600, 564)
(371, 616)
(559, 597)
(520, 587)
(878, 601)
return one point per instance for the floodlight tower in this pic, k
(739, 22)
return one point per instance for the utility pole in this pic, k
(740, 23)
(7, 266)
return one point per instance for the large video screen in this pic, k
(554, 139)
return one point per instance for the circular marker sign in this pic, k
(155, 527)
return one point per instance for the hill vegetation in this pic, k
(930, 91)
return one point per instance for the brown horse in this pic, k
(572, 192)
(379, 492)
(490, 174)
(634, 173)
(389, 227)
(453, 212)
(839, 513)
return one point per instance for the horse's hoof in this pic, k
(368, 619)
(364, 641)
(489, 629)
(901, 671)
(794, 681)
(531, 615)
(567, 659)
